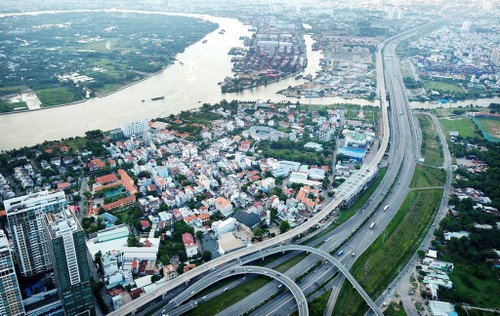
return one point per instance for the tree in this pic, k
(284, 226)
(132, 241)
(199, 234)
(421, 254)
(206, 255)
(258, 232)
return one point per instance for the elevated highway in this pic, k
(216, 276)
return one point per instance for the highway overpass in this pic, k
(216, 276)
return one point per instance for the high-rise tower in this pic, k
(68, 252)
(11, 301)
(25, 216)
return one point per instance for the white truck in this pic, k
(386, 207)
(372, 225)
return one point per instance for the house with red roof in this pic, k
(63, 186)
(96, 164)
(223, 206)
(144, 224)
(190, 245)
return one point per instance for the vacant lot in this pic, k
(6, 106)
(443, 87)
(427, 177)
(464, 126)
(55, 96)
(432, 150)
(490, 126)
(382, 261)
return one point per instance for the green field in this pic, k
(464, 126)
(427, 177)
(382, 261)
(406, 70)
(318, 305)
(6, 106)
(287, 265)
(230, 297)
(443, 87)
(12, 90)
(55, 96)
(432, 150)
(395, 310)
(490, 126)
(469, 288)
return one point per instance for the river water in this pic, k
(462, 103)
(184, 87)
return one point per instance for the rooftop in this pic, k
(61, 223)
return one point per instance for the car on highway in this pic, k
(340, 253)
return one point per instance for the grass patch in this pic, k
(57, 96)
(318, 305)
(427, 177)
(443, 87)
(432, 150)
(349, 212)
(464, 126)
(287, 265)
(490, 127)
(383, 260)
(6, 106)
(468, 287)
(395, 310)
(449, 111)
(12, 90)
(229, 298)
(406, 70)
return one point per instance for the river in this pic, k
(462, 103)
(184, 87)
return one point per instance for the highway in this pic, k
(195, 288)
(235, 270)
(401, 285)
(403, 129)
(344, 192)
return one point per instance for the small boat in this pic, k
(157, 98)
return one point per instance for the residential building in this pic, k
(190, 245)
(495, 56)
(227, 243)
(11, 301)
(438, 308)
(68, 251)
(223, 206)
(137, 128)
(25, 216)
(221, 227)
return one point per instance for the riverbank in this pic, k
(104, 74)
(184, 86)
